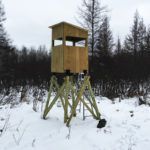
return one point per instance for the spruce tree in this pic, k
(147, 42)
(6, 52)
(105, 39)
(118, 47)
(4, 41)
(90, 14)
(134, 42)
(141, 38)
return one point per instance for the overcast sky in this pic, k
(28, 20)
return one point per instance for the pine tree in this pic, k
(134, 42)
(135, 46)
(147, 42)
(4, 41)
(141, 37)
(90, 14)
(5, 50)
(131, 41)
(118, 47)
(105, 39)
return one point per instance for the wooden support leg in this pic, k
(49, 93)
(80, 93)
(94, 101)
(61, 96)
(63, 92)
(73, 93)
(66, 99)
(48, 108)
(88, 108)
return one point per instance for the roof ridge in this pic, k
(64, 22)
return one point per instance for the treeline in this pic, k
(129, 60)
(25, 65)
(21, 66)
(116, 67)
(32, 64)
(115, 60)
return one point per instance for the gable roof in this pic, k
(63, 22)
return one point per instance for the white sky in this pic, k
(28, 20)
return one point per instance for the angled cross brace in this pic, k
(63, 92)
(94, 109)
(49, 104)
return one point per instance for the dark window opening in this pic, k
(70, 41)
(57, 42)
(75, 41)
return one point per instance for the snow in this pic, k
(127, 128)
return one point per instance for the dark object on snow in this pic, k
(141, 101)
(102, 123)
(132, 115)
(1, 130)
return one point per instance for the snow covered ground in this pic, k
(127, 128)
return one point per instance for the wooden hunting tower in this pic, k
(69, 48)
(70, 56)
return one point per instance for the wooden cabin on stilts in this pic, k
(70, 57)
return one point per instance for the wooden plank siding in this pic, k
(73, 58)
(57, 59)
(57, 32)
(74, 32)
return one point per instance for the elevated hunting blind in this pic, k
(70, 56)
(69, 48)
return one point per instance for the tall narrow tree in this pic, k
(3, 35)
(118, 46)
(147, 42)
(134, 42)
(105, 39)
(5, 50)
(141, 37)
(90, 14)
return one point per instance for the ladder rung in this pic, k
(88, 116)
